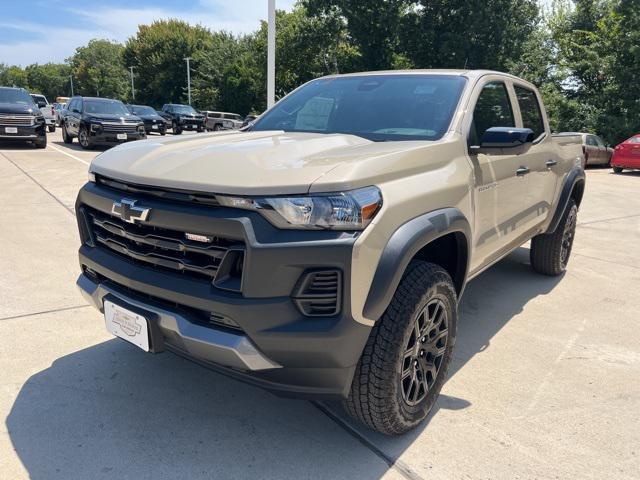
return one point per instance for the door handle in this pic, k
(522, 171)
(550, 163)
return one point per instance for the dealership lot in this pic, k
(544, 382)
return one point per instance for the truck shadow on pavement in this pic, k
(110, 411)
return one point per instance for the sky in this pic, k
(39, 31)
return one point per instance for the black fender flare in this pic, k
(575, 176)
(403, 245)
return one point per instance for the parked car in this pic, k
(57, 109)
(99, 121)
(20, 118)
(627, 155)
(183, 117)
(152, 121)
(47, 110)
(341, 239)
(215, 121)
(594, 149)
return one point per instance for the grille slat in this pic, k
(159, 247)
(19, 119)
(119, 127)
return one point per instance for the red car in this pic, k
(627, 154)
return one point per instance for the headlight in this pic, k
(141, 128)
(92, 177)
(96, 127)
(351, 210)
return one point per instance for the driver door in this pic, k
(499, 188)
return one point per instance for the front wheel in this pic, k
(83, 138)
(66, 138)
(176, 130)
(52, 129)
(617, 169)
(405, 361)
(41, 142)
(550, 252)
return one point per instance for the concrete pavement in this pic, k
(544, 382)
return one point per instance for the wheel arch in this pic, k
(572, 188)
(442, 237)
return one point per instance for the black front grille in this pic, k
(119, 127)
(318, 293)
(165, 249)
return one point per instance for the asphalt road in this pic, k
(545, 381)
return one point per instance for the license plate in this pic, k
(193, 127)
(155, 127)
(127, 325)
(11, 129)
(121, 136)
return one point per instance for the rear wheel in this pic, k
(550, 252)
(405, 361)
(66, 138)
(52, 128)
(617, 169)
(217, 127)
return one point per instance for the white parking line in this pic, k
(68, 154)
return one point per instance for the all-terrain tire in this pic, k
(550, 252)
(379, 396)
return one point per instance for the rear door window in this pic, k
(530, 110)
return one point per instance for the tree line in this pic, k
(584, 55)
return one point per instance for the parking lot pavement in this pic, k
(544, 383)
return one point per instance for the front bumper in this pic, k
(108, 138)
(305, 356)
(23, 132)
(159, 127)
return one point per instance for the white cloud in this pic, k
(54, 44)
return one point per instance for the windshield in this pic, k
(143, 111)
(14, 95)
(112, 107)
(184, 109)
(377, 107)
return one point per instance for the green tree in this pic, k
(49, 79)
(13, 76)
(372, 27)
(158, 51)
(98, 70)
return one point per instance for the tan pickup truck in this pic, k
(322, 252)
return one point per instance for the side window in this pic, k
(530, 110)
(599, 141)
(493, 109)
(591, 141)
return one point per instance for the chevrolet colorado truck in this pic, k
(322, 252)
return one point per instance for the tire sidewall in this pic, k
(413, 414)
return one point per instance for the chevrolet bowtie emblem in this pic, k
(126, 209)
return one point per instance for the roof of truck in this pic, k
(432, 71)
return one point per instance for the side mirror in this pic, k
(503, 137)
(41, 104)
(75, 110)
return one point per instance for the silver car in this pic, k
(48, 112)
(221, 120)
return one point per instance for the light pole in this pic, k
(188, 79)
(71, 80)
(133, 90)
(271, 55)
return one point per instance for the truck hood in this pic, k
(17, 108)
(243, 163)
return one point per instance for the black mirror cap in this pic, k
(506, 137)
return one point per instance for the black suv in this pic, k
(99, 121)
(20, 118)
(183, 117)
(153, 122)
